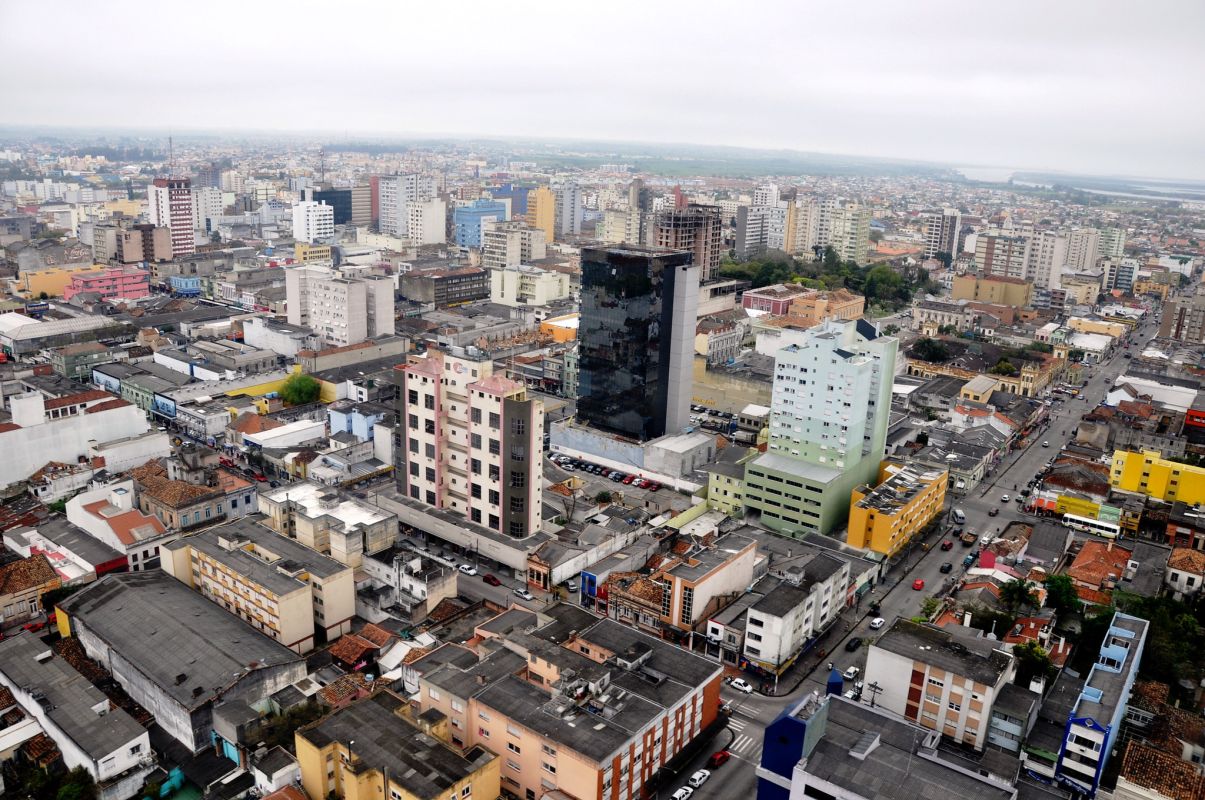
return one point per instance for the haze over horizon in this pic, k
(1070, 87)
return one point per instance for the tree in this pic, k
(990, 620)
(77, 785)
(300, 389)
(1060, 594)
(1017, 593)
(831, 260)
(602, 497)
(1004, 367)
(930, 350)
(891, 330)
(929, 607)
(43, 296)
(1075, 355)
(1032, 662)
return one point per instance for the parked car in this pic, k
(718, 758)
(491, 580)
(877, 623)
(699, 778)
(1004, 498)
(33, 626)
(683, 793)
(851, 673)
(524, 594)
(948, 544)
(853, 644)
(1045, 444)
(742, 685)
(968, 561)
(918, 584)
(628, 479)
(947, 567)
(993, 512)
(467, 569)
(653, 486)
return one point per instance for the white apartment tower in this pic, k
(427, 221)
(1112, 243)
(509, 244)
(206, 205)
(472, 442)
(313, 221)
(1083, 246)
(341, 310)
(941, 232)
(848, 231)
(395, 193)
(1047, 254)
(766, 195)
(569, 209)
(170, 204)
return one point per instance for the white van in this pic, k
(959, 517)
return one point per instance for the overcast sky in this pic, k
(1102, 87)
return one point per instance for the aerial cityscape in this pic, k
(467, 402)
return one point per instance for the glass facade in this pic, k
(626, 352)
(338, 199)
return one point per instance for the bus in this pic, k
(1109, 530)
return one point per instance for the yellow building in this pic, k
(308, 253)
(979, 389)
(52, 280)
(1084, 325)
(561, 329)
(885, 519)
(1148, 473)
(726, 486)
(541, 211)
(818, 307)
(370, 751)
(125, 206)
(1151, 286)
(993, 289)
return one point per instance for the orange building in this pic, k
(817, 307)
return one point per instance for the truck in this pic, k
(967, 538)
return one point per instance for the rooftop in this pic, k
(314, 501)
(894, 494)
(72, 702)
(975, 658)
(21, 576)
(184, 644)
(385, 741)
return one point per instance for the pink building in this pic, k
(125, 283)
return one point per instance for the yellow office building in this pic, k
(369, 751)
(885, 518)
(51, 280)
(541, 211)
(1148, 473)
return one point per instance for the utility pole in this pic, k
(874, 690)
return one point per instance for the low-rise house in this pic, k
(1185, 572)
(108, 515)
(403, 584)
(217, 494)
(1097, 569)
(75, 556)
(22, 584)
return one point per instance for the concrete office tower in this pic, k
(569, 210)
(170, 206)
(766, 195)
(848, 231)
(636, 340)
(472, 442)
(467, 220)
(427, 221)
(1112, 243)
(541, 211)
(509, 244)
(341, 310)
(619, 226)
(395, 194)
(1002, 254)
(1047, 255)
(696, 228)
(803, 227)
(759, 229)
(361, 205)
(337, 199)
(206, 205)
(1083, 247)
(313, 221)
(828, 425)
(639, 198)
(941, 232)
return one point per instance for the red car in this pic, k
(491, 580)
(33, 626)
(948, 544)
(718, 758)
(629, 479)
(261, 477)
(918, 584)
(654, 486)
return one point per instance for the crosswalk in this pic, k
(745, 746)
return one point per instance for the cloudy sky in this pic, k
(1104, 87)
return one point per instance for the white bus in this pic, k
(1109, 530)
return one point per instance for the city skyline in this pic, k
(969, 89)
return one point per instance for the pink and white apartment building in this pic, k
(472, 442)
(124, 283)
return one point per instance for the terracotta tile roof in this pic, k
(1149, 695)
(1186, 559)
(6, 698)
(1175, 725)
(5, 427)
(42, 750)
(251, 422)
(376, 634)
(352, 648)
(28, 573)
(77, 399)
(415, 654)
(1097, 561)
(153, 482)
(1094, 596)
(289, 792)
(108, 405)
(1162, 772)
(445, 609)
(344, 689)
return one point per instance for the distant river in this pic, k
(986, 174)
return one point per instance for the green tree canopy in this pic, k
(930, 350)
(1032, 661)
(1004, 367)
(300, 389)
(1018, 593)
(1060, 594)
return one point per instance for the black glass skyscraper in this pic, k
(636, 340)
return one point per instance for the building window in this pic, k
(414, 446)
(475, 416)
(413, 422)
(495, 421)
(475, 441)
(430, 498)
(549, 768)
(475, 490)
(429, 402)
(494, 523)
(475, 515)
(511, 746)
(414, 469)
(475, 466)
(518, 529)
(493, 497)
(430, 475)
(495, 447)
(517, 504)
(412, 397)
(518, 452)
(518, 479)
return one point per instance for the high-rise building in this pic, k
(337, 199)
(1183, 319)
(1083, 245)
(467, 220)
(1047, 256)
(620, 226)
(569, 210)
(395, 194)
(541, 211)
(847, 230)
(1002, 254)
(696, 228)
(803, 227)
(509, 244)
(759, 229)
(361, 205)
(1112, 243)
(427, 221)
(473, 442)
(941, 232)
(341, 310)
(170, 206)
(828, 426)
(636, 340)
(766, 195)
(206, 205)
(313, 221)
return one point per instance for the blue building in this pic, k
(466, 220)
(358, 419)
(517, 195)
(1096, 716)
(185, 285)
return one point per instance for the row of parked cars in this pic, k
(570, 464)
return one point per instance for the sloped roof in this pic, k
(1162, 772)
(28, 573)
(1186, 559)
(1097, 561)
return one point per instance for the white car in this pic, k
(699, 778)
(851, 673)
(741, 685)
(683, 793)
(877, 623)
(468, 569)
(1004, 498)
(1045, 444)
(524, 594)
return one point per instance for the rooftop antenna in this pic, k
(322, 165)
(171, 158)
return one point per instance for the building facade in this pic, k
(343, 311)
(886, 517)
(313, 221)
(170, 205)
(696, 228)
